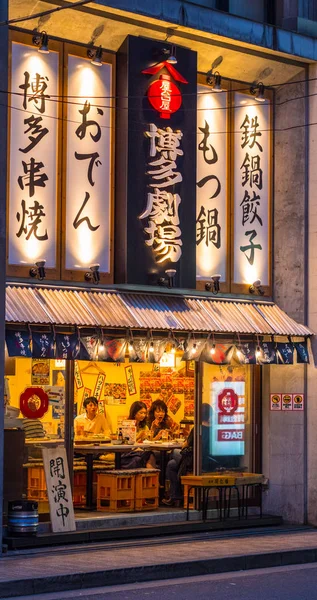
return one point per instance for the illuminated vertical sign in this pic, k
(228, 400)
(251, 189)
(88, 165)
(33, 157)
(211, 192)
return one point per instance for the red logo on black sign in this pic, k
(163, 94)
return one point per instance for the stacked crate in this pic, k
(36, 483)
(124, 491)
(115, 491)
(147, 489)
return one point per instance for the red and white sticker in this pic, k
(298, 402)
(287, 402)
(275, 401)
(230, 435)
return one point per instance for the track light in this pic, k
(169, 279)
(213, 285)
(39, 269)
(214, 79)
(258, 91)
(256, 287)
(95, 55)
(93, 275)
(41, 40)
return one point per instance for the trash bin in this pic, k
(23, 517)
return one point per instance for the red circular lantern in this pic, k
(164, 96)
(33, 403)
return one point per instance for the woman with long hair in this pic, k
(159, 420)
(139, 458)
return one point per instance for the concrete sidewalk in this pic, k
(66, 568)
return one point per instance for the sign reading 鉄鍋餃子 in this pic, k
(32, 231)
(251, 190)
(211, 191)
(88, 166)
(156, 164)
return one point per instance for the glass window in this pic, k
(226, 418)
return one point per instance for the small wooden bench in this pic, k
(224, 483)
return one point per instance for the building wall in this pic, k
(284, 433)
(312, 305)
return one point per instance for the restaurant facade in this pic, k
(156, 250)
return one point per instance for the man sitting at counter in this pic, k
(91, 422)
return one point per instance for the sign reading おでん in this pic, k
(88, 165)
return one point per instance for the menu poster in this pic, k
(77, 375)
(130, 380)
(86, 394)
(99, 385)
(40, 372)
(275, 402)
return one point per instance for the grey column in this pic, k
(3, 196)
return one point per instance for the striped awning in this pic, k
(114, 309)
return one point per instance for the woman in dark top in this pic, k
(159, 420)
(139, 458)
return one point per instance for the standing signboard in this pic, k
(58, 489)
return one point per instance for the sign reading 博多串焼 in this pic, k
(211, 191)
(32, 209)
(251, 190)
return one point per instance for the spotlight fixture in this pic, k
(41, 40)
(130, 346)
(194, 349)
(213, 349)
(258, 351)
(256, 287)
(169, 279)
(95, 55)
(39, 269)
(214, 79)
(213, 285)
(151, 348)
(93, 275)
(258, 91)
(101, 344)
(170, 54)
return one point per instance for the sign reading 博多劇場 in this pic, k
(211, 190)
(156, 164)
(88, 165)
(34, 113)
(251, 260)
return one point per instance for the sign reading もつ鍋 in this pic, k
(211, 191)
(251, 190)
(32, 211)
